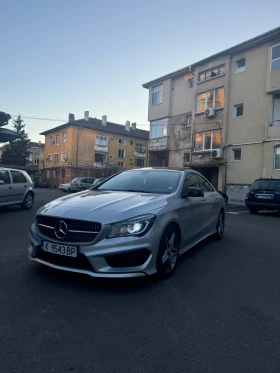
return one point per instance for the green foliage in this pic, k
(16, 152)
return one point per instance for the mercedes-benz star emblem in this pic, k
(60, 229)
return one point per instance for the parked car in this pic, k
(41, 184)
(98, 181)
(224, 195)
(64, 187)
(134, 224)
(263, 194)
(81, 183)
(16, 188)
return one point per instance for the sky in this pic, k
(59, 57)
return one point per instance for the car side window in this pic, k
(5, 176)
(191, 180)
(18, 177)
(204, 185)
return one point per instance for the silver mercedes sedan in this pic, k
(135, 223)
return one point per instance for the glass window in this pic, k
(275, 58)
(159, 128)
(276, 110)
(49, 174)
(64, 136)
(191, 83)
(266, 185)
(57, 140)
(219, 97)
(216, 143)
(140, 148)
(277, 158)
(145, 181)
(240, 65)
(122, 142)
(121, 153)
(101, 140)
(189, 120)
(201, 102)
(99, 158)
(204, 184)
(18, 177)
(207, 140)
(211, 73)
(120, 164)
(63, 156)
(192, 181)
(49, 159)
(4, 176)
(187, 157)
(157, 95)
(198, 141)
(238, 110)
(56, 158)
(236, 154)
(210, 99)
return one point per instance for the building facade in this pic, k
(221, 115)
(92, 147)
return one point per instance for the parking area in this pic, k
(220, 311)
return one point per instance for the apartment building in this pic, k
(92, 147)
(36, 154)
(221, 115)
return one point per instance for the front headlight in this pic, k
(137, 226)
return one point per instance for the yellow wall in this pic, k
(80, 150)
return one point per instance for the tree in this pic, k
(16, 152)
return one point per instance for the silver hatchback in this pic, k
(133, 224)
(16, 188)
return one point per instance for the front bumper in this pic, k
(94, 256)
(263, 206)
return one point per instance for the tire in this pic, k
(168, 252)
(220, 226)
(28, 201)
(253, 210)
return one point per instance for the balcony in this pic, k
(101, 148)
(159, 143)
(140, 154)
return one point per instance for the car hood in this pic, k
(105, 207)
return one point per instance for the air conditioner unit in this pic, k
(216, 153)
(210, 113)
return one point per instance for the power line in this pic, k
(65, 63)
(48, 119)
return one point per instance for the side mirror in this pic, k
(192, 192)
(1, 182)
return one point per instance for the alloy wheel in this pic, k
(170, 252)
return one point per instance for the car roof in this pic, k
(181, 169)
(11, 169)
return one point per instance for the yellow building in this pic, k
(91, 147)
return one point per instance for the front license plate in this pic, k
(59, 249)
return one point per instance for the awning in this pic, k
(7, 135)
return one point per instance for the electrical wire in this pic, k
(65, 63)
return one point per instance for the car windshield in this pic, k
(144, 181)
(266, 185)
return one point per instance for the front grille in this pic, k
(129, 259)
(80, 262)
(77, 230)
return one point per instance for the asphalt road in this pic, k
(220, 312)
